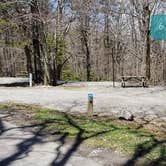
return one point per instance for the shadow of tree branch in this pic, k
(24, 147)
(145, 148)
(1, 127)
(79, 139)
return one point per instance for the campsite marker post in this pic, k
(90, 103)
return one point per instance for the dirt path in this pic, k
(148, 103)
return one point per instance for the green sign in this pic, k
(158, 27)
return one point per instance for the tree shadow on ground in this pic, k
(145, 148)
(1, 127)
(24, 147)
(60, 159)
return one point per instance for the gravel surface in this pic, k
(149, 103)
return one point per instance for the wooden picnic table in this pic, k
(124, 79)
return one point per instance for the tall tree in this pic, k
(84, 18)
(36, 31)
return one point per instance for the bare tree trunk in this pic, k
(148, 60)
(146, 24)
(36, 42)
(59, 71)
(113, 67)
(88, 64)
(164, 62)
(29, 59)
(106, 40)
(85, 46)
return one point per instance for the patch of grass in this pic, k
(100, 132)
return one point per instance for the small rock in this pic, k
(126, 115)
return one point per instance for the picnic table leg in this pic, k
(123, 83)
(143, 82)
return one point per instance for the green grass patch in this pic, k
(100, 132)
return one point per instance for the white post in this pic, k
(30, 80)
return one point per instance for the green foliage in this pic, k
(50, 42)
(13, 28)
(19, 44)
(16, 44)
(56, 44)
(7, 23)
(92, 75)
(60, 46)
(83, 75)
(5, 6)
(68, 74)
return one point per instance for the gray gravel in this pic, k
(141, 102)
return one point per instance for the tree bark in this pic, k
(29, 59)
(36, 42)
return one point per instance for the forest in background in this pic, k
(93, 40)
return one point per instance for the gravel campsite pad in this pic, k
(148, 104)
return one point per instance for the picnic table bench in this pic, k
(124, 79)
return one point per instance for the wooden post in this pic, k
(90, 103)
(30, 80)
